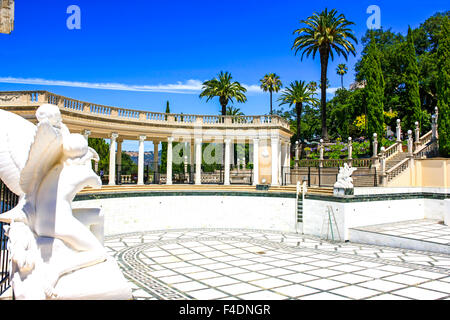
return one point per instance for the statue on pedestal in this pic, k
(344, 183)
(56, 252)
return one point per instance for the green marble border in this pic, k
(379, 197)
(135, 194)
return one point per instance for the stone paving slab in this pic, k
(430, 230)
(210, 264)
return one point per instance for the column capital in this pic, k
(227, 140)
(274, 140)
(198, 140)
(170, 139)
(87, 132)
(142, 138)
(114, 135)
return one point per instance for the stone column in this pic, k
(375, 149)
(375, 145)
(410, 143)
(280, 160)
(185, 168)
(255, 161)
(198, 158)
(112, 159)
(227, 162)
(399, 131)
(275, 165)
(169, 161)
(321, 149)
(192, 155)
(289, 161)
(417, 135)
(383, 166)
(141, 160)
(436, 112)
(296, 155)
(434, 127)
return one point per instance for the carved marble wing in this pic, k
(45, 152)
(16, 136)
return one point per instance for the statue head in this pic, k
(51, 113)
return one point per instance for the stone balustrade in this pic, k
(34, 98)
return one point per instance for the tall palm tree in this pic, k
(298, 93)
(328, 33)
(225, 89)
(272, 83)
(341, 70)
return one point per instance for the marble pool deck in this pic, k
(423, 234)
(230, 264)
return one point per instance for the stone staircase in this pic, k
(396, 159)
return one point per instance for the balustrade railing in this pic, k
(428, 150)
(397, 169)
(14, 98)
(426, 138)
(335, 163)
(8, 200)
(393, 150)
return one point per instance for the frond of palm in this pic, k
(341, 69)
(225, 89)
(232, 111)
(271, 82)
(298, 92)
(328, 31)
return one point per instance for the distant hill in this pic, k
(148, 156)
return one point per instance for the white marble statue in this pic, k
(344, 179)
(54, 253)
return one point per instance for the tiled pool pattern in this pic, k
(259, 265)
(430, 230)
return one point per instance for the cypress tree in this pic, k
(412, 111)
(443, 89)
(374, 91)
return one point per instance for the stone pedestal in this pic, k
(340, 192)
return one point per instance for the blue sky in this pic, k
(169, 47)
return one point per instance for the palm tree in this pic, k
(326, 32)
(297, 94)
(341, 70)
(223, 88)
(312, 86)
(272, 83)
(232, 111)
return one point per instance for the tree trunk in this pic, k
(342, 81)
(298, 109)
(271, 112)
(223, 103)
(323, 88)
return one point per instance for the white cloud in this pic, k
(188, 87)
